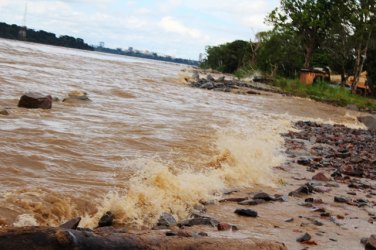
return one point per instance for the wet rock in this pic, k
(304, 161)
(289, 220)
(166, 220)
(303, 190)
(281, 198)
(34, 100)
(341, 199)
(71, 224)
(224, 227)
(202, 220)
(320, 177)
(246, 212)
(304, 237)
(369, 121)
(4, 112)
(106, 220)
(76, 96)
(263, 196)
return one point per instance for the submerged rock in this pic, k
(76, 96)
(4, 112)
(34, 100)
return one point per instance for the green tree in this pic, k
(309, 19)
(279, 53)
(228, 57)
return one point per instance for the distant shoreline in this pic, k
(15, 32)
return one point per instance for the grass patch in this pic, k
(325, 92)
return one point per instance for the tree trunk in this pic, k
(360, 59)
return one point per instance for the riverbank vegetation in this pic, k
(340, 35)
(13, 32)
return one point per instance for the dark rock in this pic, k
(317, 223)
(106, 220)
(35, 100)
(171, 233)
(289, 220)
(246, 212)
(304, 161)
(71, 224)
(224, 227)
(203, 234)
(369, 121)
(263, 196)
(304, 237)
(303, 190)
(341, 199)
(320, 177)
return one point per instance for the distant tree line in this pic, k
(12, 32)
(307, 33)
(153, 56)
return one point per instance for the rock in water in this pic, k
(71, 224)
(106, 220)
(33, 100)
(4, 112)
(77, 96)
(165, 221)
(246, 212)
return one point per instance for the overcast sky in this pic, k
(181, 28)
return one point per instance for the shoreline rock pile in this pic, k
(223, 84)
(348, 152)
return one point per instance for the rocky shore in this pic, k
(326, 200)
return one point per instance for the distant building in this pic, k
(22, 33)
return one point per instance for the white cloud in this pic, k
(170, 24)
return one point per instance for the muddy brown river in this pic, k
(145, 144)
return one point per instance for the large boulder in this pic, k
(34, 100)
(369, 121)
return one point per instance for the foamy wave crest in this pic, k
(243, 159)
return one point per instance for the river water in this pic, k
(146, 144)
